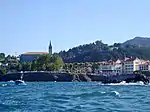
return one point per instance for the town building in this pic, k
(110, 67)
(118, 67)
(126, 66)
(106, 68)
(131, 65)
(30, 56)
(145, 66)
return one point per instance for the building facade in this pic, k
(131, 65)
(30, 56)
(111, 67)
(126, 66)
(144, 67)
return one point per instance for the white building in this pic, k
(111, 67)
(106, 67)
(127, 66)
(145, 66)
(118, 66)
(130, 65)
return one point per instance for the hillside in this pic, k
(98, 51)
(138, 41)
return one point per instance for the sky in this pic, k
(29, 25)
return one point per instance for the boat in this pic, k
(20, 82)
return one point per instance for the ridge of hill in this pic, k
(98, 51)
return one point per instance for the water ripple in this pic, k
(74, 97)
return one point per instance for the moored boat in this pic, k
(20, 82)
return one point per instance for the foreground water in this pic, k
(74, 97)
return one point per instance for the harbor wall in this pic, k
(66, 77)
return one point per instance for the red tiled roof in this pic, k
(146, 63)
(36, 53)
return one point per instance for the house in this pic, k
(145, 66)
(130, 65)
(126, 66)
(106, 68)
(111, 67)
(118, 66)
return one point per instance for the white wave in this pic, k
(137, 83)
(103, 92)
(116, 93)
(111, 93)
(3, 85)
(124, 83)
(23, 84)
(11, 81)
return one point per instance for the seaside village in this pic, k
(125, 66)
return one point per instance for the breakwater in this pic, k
(67, 77)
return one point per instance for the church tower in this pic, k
(50, 48)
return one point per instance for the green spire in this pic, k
(50, 44)
(50, 47)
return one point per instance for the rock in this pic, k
(66, 77)
(138, 77)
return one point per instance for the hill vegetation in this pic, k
(138, 41)
(98, 51)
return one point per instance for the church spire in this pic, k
(50, 47)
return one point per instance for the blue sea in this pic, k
(74, 97)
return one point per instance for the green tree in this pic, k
(26, 66)
(57, 60)
(19, 67)
(3, 71)
(98, 51)
(43, 68)
(42, 62)
(34, 66)
(44, 59)
(7, 59)
(95, 66)
(53, 67)
(2, 56)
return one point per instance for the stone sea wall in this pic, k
(66, 77)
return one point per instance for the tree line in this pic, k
(98, 51)
(44, 62)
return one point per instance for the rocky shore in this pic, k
(66, 77)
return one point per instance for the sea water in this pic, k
(74, 97)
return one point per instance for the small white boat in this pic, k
(20, 82)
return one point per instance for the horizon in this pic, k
(28, 26)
